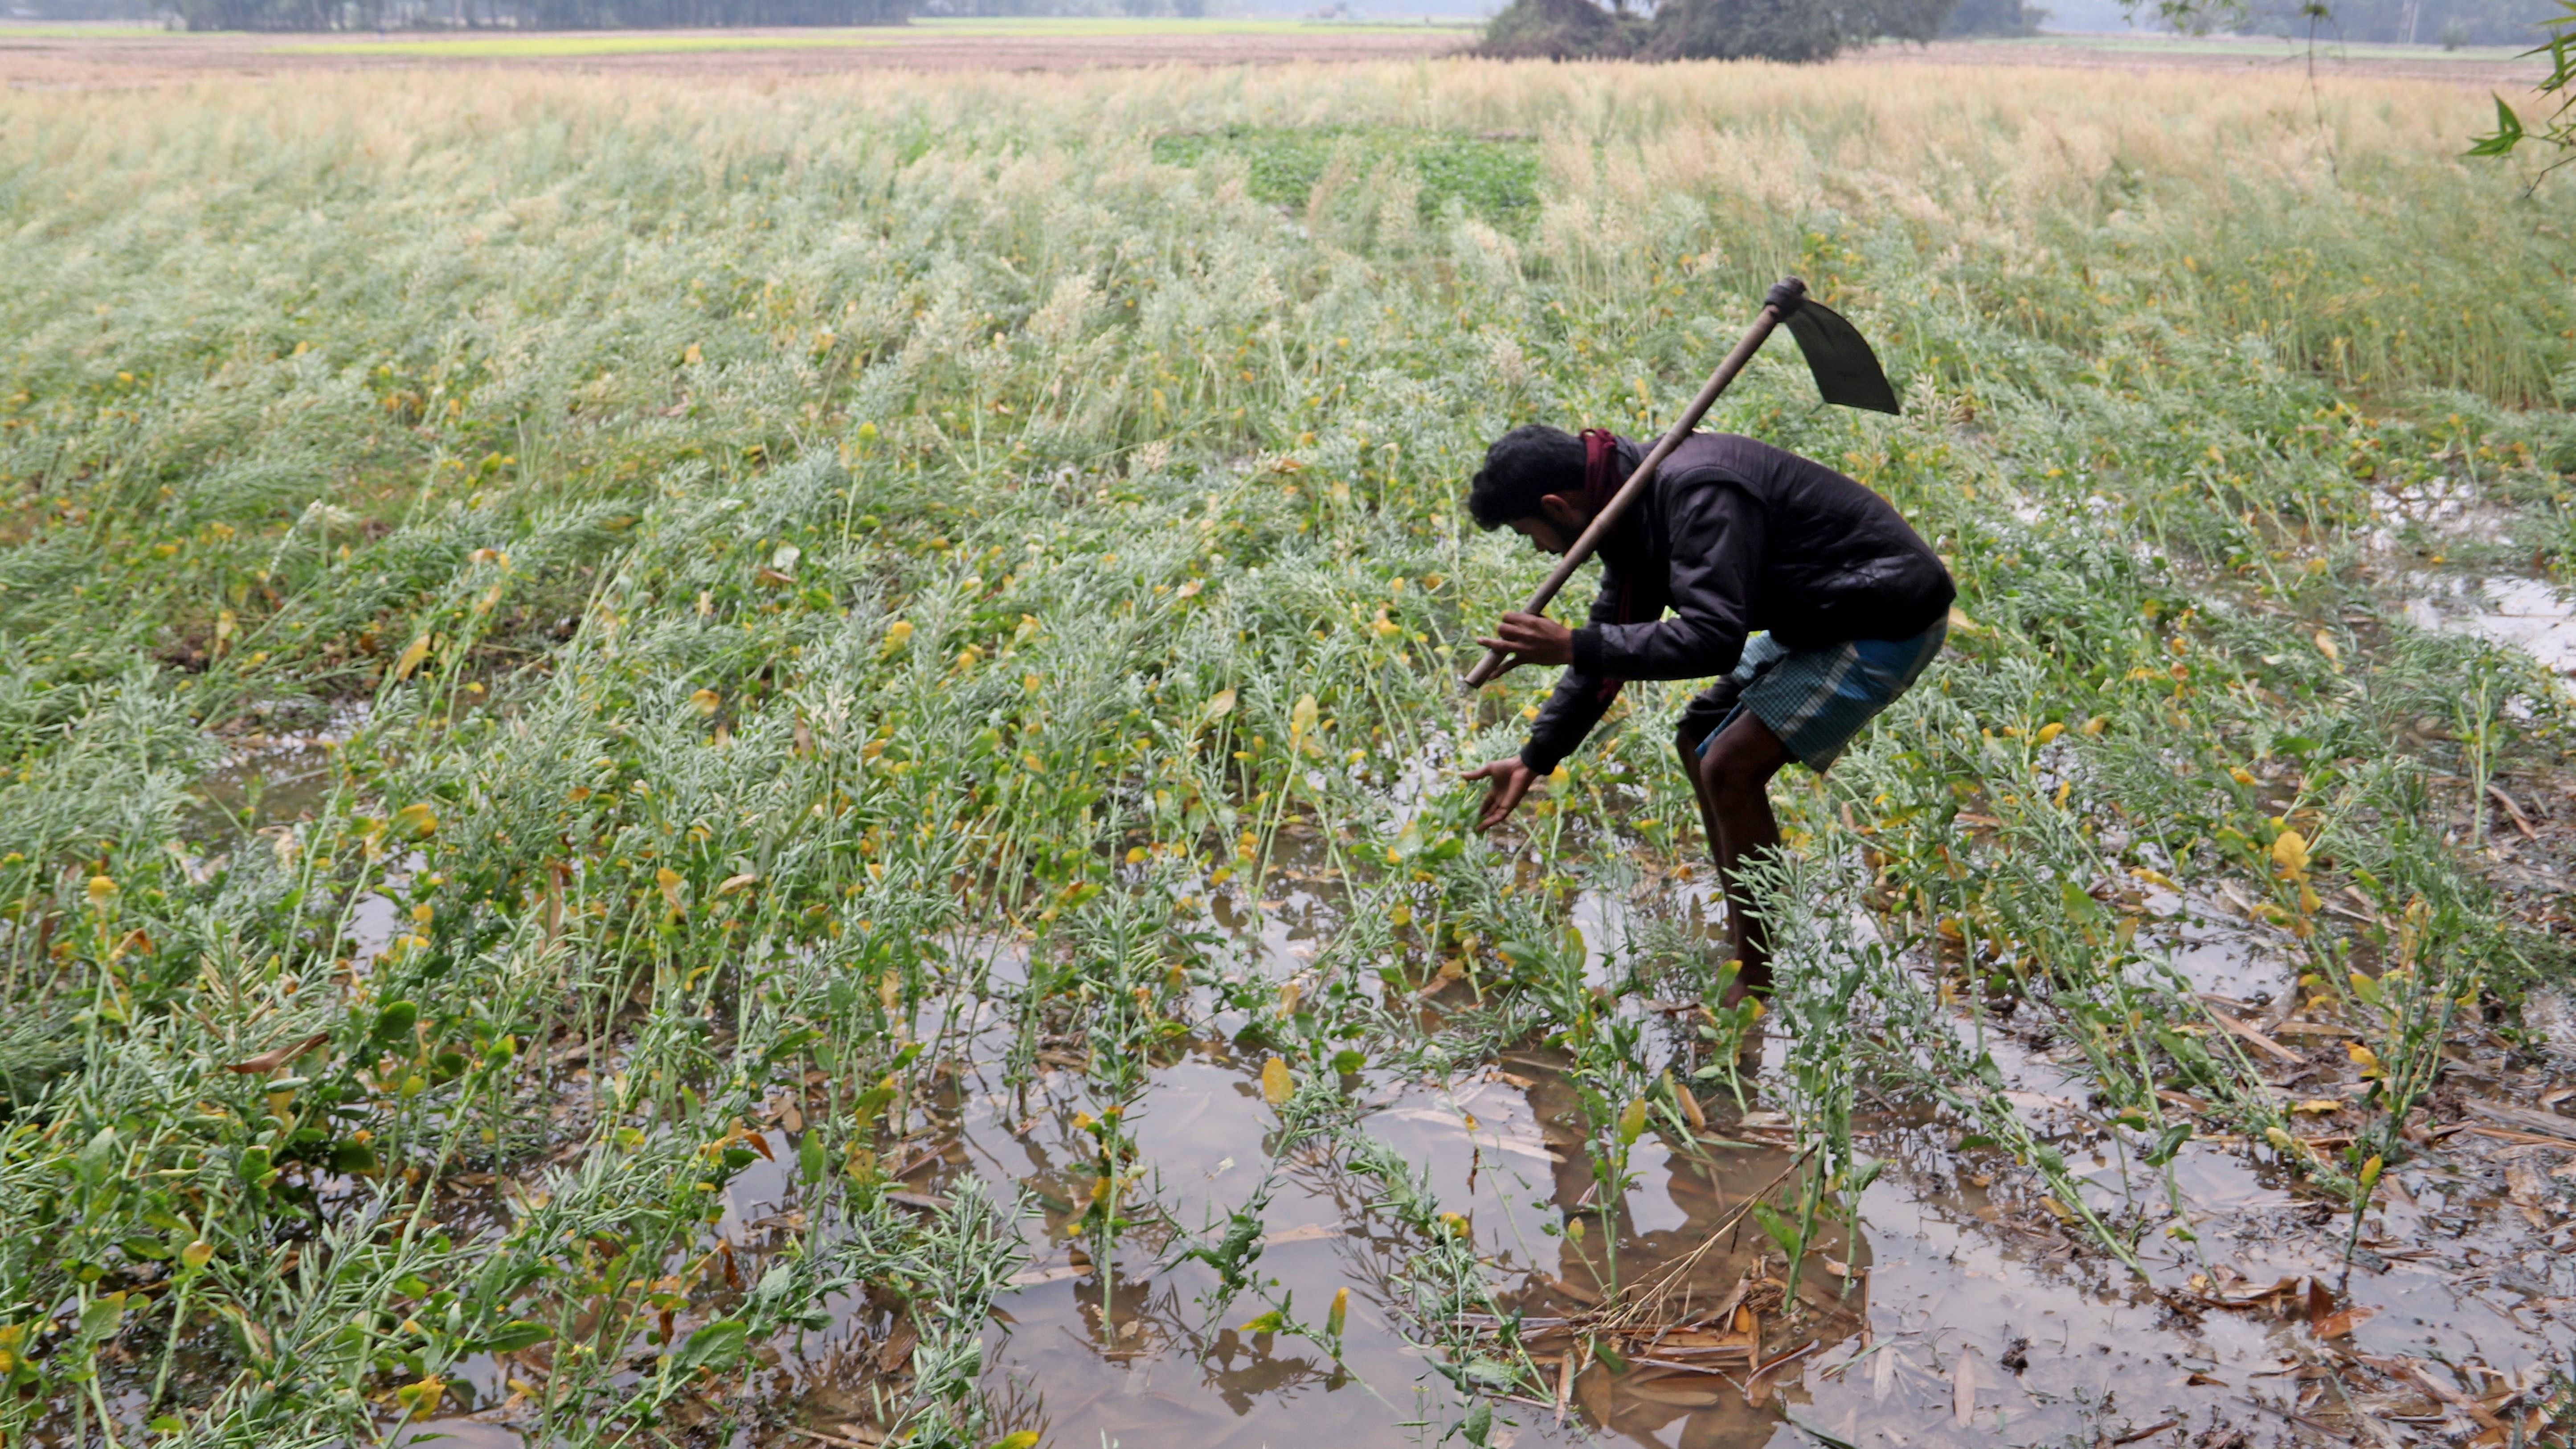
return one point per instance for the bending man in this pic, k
(1808, 596)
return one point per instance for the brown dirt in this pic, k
(150, 58)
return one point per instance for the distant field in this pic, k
(2255, 47)
(920, 32)
(82, 56)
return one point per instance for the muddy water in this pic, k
(267, 779)
(1974, 1315)
(2527, 614)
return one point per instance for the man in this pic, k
(1731, 537)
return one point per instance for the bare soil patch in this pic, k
(150, 58)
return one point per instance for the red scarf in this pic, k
(1600, 460)
(1600, 456)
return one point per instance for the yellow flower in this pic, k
(102, 889)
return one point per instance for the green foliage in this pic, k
(2556, 93)
(1495, 180)
(1797, 31)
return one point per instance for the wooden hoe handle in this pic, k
(1784, 300)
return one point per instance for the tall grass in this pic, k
(802, 547)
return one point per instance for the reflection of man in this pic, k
(1805, 591)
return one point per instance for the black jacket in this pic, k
(1731, 537)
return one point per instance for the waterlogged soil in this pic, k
(2528, 614)
(1969, 1308)
(271, 776)
(1967, 1311)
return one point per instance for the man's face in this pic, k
(1558, 522)
(1543, 534)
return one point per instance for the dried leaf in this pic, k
(269, 1061)
(1276, 1083)
(896, 1355)
(1963, 1389)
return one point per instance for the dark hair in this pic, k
(1523, 466)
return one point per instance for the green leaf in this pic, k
(2168, 1143)
(513, 1336)
(349, 1159)
(103, 1316)
(871, 1102)
(712, 1345)
(98, 1156)
(2507, 134)
(1780, 1229)
(393, 1023)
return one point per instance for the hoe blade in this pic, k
(1847, 372)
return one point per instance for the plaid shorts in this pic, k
(1815, 700)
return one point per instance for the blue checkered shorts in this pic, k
(1815, 700)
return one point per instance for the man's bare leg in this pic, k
(1732, 778)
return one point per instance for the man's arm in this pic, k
(1716, 536)
(1581, 695)
(1571, 710)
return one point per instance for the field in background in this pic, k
(80, 56)
(770, 764)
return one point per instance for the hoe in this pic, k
(1846, 372)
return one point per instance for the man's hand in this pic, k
(1531, 639)
(1512, 780)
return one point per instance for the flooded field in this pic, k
(1967, 1309)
